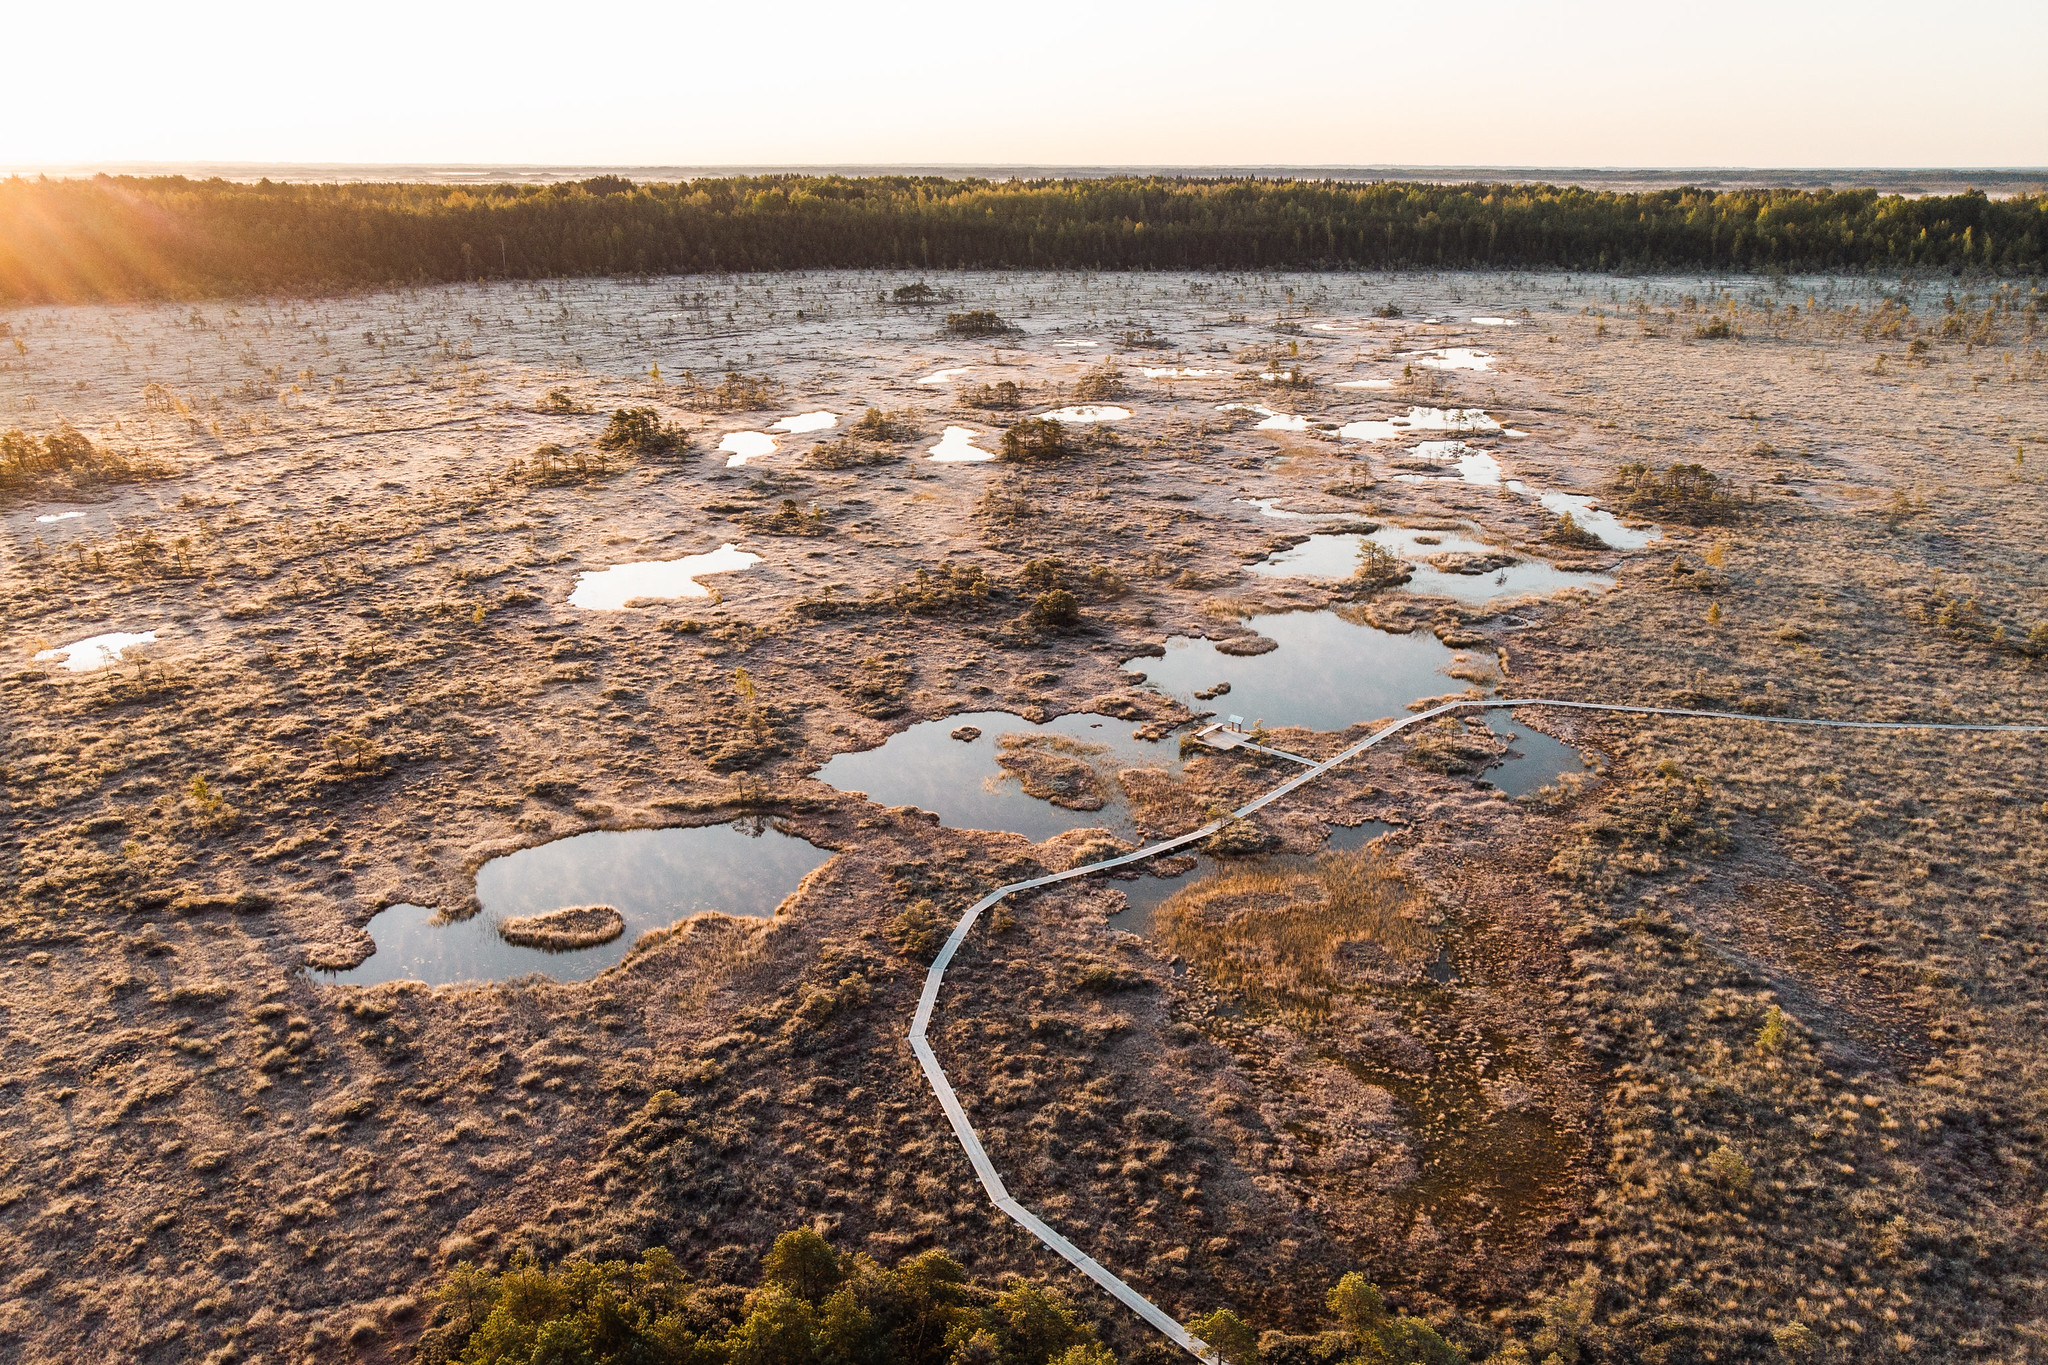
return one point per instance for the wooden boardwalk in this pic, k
(963, 1128)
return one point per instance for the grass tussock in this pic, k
(1288, 940)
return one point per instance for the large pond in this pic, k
(1336, 556)
(653, 877)
(960, 781)
(1327, 674)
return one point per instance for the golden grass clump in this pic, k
(571, 927)
(1290, 939)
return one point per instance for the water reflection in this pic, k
(1327, 674)
(653, 877)
(960, 781)
(1336, 556)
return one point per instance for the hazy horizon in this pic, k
(1561, 85)
(1998, 181)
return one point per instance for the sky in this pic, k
(1049, 82)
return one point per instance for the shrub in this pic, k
(551, 465)
(1099, 385)
(1687, 493)
(878, 425)
(786, 520)
(63, 459)
(915, 293)
(919, 931)
(814, 1305)
(640, 431)
(1382, 1335)
(1566, 531)
(1056, 610)
(1726, 1168)
(1771, 1037)
(1002, 395)
(1034, 439)
(1227, 1334)
(947, 588)
(977, 323)
(848, 452)
(735, 393)
(1715, 330)
(1378, 567)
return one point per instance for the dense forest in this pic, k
(170, 237)
(815, 1306)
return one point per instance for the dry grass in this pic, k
(1705, 960)
(1288, 940)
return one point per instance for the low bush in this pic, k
(63, 460)
(1056, 610)
(735, 393)
(978, 322)
(551, 466)
(640, 431)
(1567, 532)
(1033, 440)
(788, 519)
(1687, 493)
(1003, 395)
(949, 587)
(1100, 385)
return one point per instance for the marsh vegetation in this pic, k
(1720, 1044)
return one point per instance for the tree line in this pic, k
(123, 237)
(815, 1306)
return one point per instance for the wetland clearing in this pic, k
(490, 768)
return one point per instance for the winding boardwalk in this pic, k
(970, 1141)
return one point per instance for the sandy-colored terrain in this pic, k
(1731, 1050)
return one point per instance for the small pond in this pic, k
(1336, 556)
(741, 446)
(1587, 514)
(653, 877)
(1534, 758)
(960, 781)
(957, 446)
(1327, 673)
(100, 651)
(611, 589)
(1419, 419)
